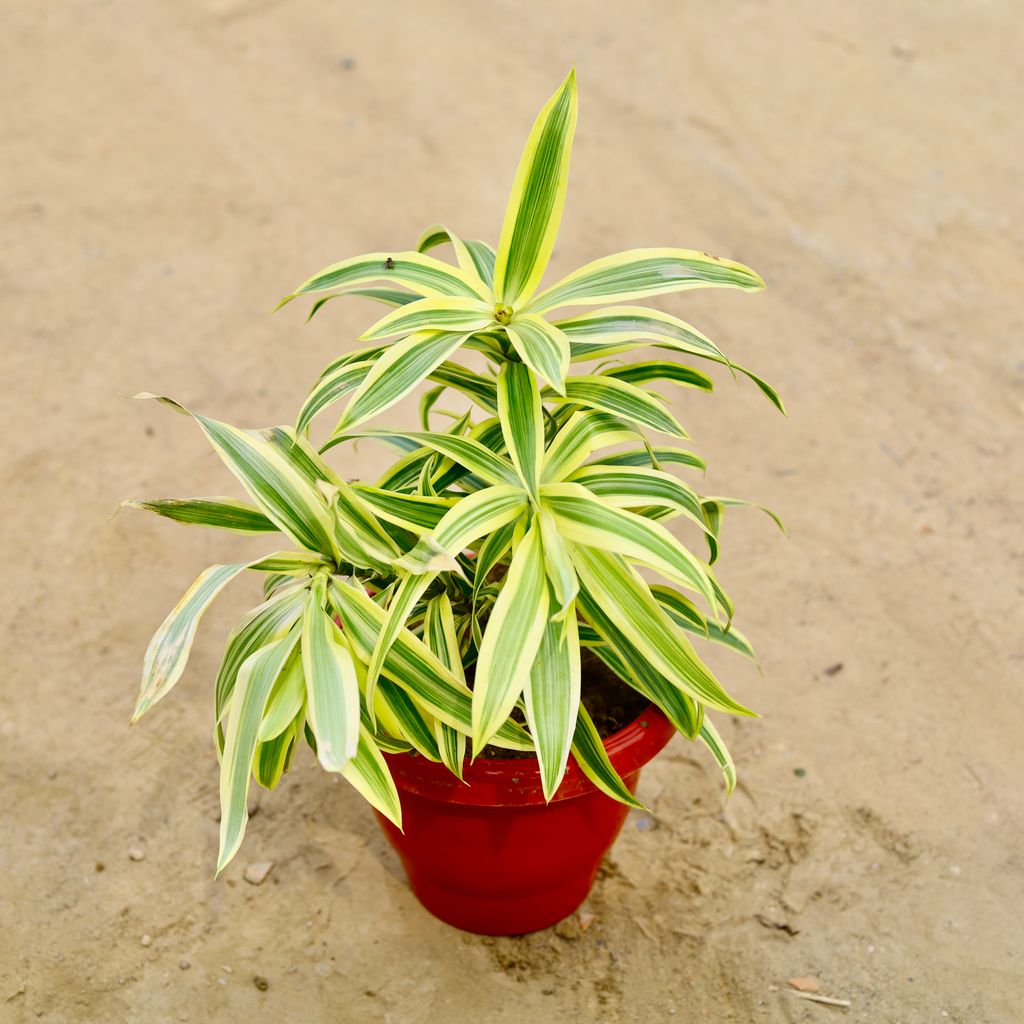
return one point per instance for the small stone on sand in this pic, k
(146, 940)
(137, 853)
(256, 874)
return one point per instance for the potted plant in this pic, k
(468, 639)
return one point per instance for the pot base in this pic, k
(494, 914)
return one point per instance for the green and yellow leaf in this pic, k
(332, 687)
(535, 205)
(542, 346)
(553, 698)
(222, 513)
(643, 272)
(511, 639)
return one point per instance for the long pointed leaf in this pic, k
(534, 209)
(471, 517)
(169, 649)
(413, 270)
(466, 257)
(332, 688)
(642, 272)
(614, 584)
(511, 639)
(272, 479)
(620, 399)
(585, 432)
(553, 699)
(404, 365)
(268, 622)
(222, 513)
(414, 667)
(439, 635)
(255, 682)
(450, 313)
(633, 668)
(583, 519)
(592, 758)
(369, 774)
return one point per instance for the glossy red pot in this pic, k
(491, 856)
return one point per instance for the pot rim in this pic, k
(509, 782)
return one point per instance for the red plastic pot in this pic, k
(491, 857)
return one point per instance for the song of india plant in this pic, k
(442, 607)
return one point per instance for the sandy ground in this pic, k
(170, 169)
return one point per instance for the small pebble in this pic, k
(222, 981)
(146, 940)
(806, 984)
(184, 965)
(137, 853)
(260, 982)
(954, 870)
(587, 918)
(100, 866)
(227, 968)
(256, 874)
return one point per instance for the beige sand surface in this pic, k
(169, 169)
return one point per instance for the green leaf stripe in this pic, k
(222, 513)
(585, 520)
(333, 386)
(268, 622)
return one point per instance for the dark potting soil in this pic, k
(611, 704)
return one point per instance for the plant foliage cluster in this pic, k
(443, 606)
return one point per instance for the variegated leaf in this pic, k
(614, 584)
(222, 513)
(332, 688)
(256, 680)
(413, 270)
(642, 272)
(511, 639)
(535, 205)
(542, 346)
(553, 698)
